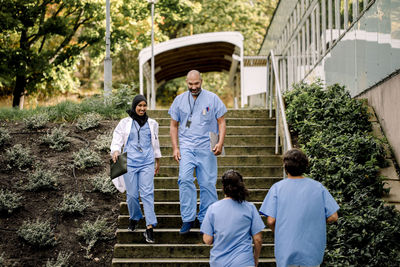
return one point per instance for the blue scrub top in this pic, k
(232, 224)
(300, 207)
(206, 110)
(135, 157)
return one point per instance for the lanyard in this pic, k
(138, 134)
(191, 109)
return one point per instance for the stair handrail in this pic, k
(279, 109)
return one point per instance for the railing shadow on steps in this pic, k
(274, 92)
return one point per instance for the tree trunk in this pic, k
(19, 89)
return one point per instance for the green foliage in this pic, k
(4, 136)
(123, 96)
(102, 183)
(91, 232)
(19, 157)
(86, 158)
(332, 110)
(57, 138)
(73, 204)
(41, 179)
(41, 39)
(37, 121)
(333, 129)
(61, 261)
(9, 201)
(103, 142)
(88, 121)
(38, 234)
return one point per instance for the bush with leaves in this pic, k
(57, 139)
(4, 136)
(37, 121)
(61, 261)
(9, 201)
(333, 130)
(88, 121)
(91, 232)
(102, 183)
(38, 234)
(41, 179)
(86, 158)
(2, 260)
(19, 157)
(123, 96)
(103, 142)
(73, 204)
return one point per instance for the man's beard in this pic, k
(195, 92)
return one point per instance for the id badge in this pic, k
(188, 122)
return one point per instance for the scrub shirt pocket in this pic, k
(206, 116)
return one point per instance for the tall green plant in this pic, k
(333, 129)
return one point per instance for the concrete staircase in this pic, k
(249, 147)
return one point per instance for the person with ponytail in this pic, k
(232, 224)
(138, 135)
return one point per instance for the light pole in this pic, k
(107, 60)
(153, 93)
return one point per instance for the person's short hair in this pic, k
(233, 186)
(295, 162)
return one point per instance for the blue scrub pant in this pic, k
(205, 164)
(140, 181)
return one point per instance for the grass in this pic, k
(66, 111)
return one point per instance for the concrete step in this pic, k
(164, 222)
(234, 130)
(229, 160)
(234, 140)
(171, 236)
(176, 262)
(259, 149)
(232, 113)
(173, 194)
(165, 207)
(173, 251)
(255, 171)
(231, 121)
(250, 182)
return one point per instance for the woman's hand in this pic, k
(115, 156)
(157, 166)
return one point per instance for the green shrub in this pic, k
(88, 121)
(333, 129)
(19, 157)
(57, 139)
(40, 180)
(86, 158)
(73, 204)
(61, 261)
(123, 96)
(4, 136)
(37, 121)
(102, 183)
(2, 260)
(103, 142)
(9, 201)
(38, 234)
(91, 232)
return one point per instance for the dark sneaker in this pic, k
(186, 226)
(132, 225)
(149, 236)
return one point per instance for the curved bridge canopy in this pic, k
(207, 52)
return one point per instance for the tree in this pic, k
(40, 36)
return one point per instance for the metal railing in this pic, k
(314, 27)
(273, 81)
